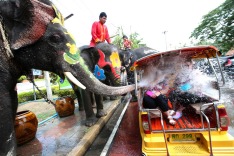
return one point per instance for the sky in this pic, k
(148, 18)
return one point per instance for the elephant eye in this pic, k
(56, 38)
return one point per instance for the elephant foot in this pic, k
(100, 113)
(91, 121)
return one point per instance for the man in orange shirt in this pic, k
(99, 31)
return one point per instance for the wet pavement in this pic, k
(127, 141)
(66, 136)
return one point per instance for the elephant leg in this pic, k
(99, 103)
(90, 116)
(7, 117)
(79, 99)
(93, 100)
(77, 91)
(134, 97)
(111, 97)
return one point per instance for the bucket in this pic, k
(26, 124)
(65, 106)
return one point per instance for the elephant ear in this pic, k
(31, 20)
(92, 52)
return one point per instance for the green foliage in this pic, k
(218, 27)
(65, 92)
(23, 77)
(29, 96)
(134, 37)
(136, 42)
(118, 38)
(53, 78)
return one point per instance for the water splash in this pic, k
(181, 74)
(227, 91)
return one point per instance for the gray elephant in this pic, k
(33, 36)
(103, 60)
(128, 57)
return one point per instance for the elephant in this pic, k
(33, 36)
(105, 63)
(128, 57)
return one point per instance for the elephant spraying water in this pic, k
(33, 36)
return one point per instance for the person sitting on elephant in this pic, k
(127, 44)
(99, 31)
(229, 61)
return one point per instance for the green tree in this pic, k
(53, 78)
(217, 27)
(134, 37)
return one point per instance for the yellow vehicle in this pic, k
(202, 128)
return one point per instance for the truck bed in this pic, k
(191, 120)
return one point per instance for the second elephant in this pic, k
(103, 60)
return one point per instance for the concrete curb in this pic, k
(90, 136)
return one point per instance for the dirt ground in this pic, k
(40, 108)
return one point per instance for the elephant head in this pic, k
(32, 32)
(103, 60)
(128, 57)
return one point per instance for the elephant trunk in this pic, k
(94, 85)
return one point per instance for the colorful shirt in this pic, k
(99, 33)
(127, 44)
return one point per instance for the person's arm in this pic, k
(94, 32)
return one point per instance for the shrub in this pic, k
(29, 96)
(23, 77)
(53, 78)
(65, 92)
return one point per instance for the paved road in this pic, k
(121, 135)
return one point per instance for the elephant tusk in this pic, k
(74, 80)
